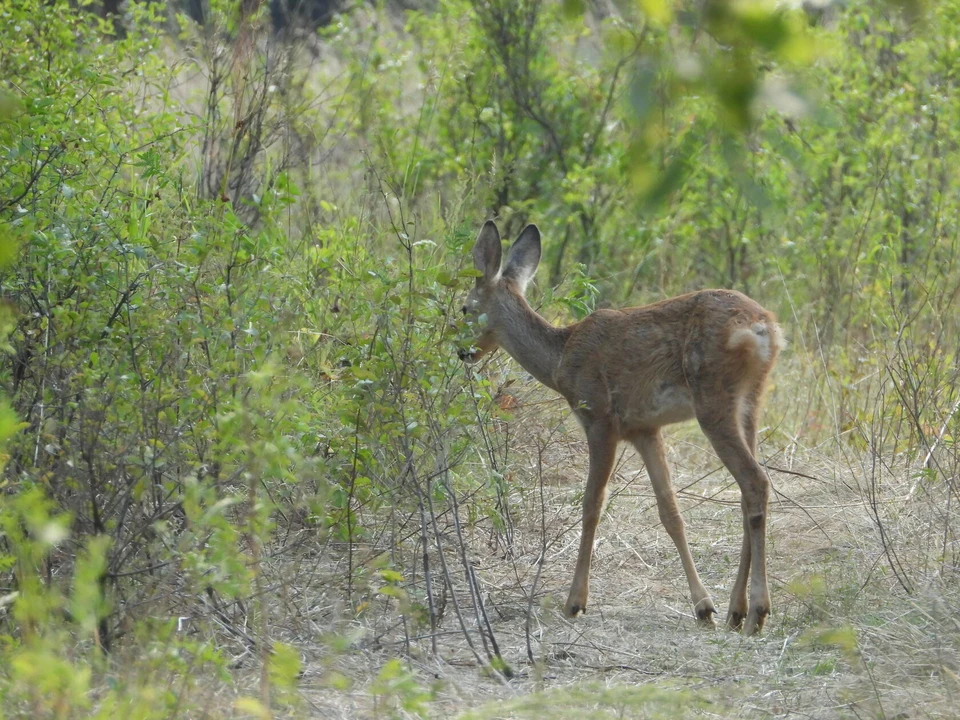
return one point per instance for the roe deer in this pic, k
(626, 373)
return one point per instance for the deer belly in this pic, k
(667, 404)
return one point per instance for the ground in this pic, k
(845, 640)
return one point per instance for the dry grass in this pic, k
(845, 640)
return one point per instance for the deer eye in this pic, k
(464, 309)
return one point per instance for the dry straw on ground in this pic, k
(845, 639)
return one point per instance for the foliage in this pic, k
(232, 317)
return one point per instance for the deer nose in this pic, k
(464, 309)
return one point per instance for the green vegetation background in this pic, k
(233, 262)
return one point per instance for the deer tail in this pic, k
(762, 339)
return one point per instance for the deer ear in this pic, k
(524, 257)
(487, 251)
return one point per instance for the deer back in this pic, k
(644, 367)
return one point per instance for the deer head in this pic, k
(497, 288)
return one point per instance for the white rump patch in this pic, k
(760, 338)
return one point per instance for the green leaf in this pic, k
(574, 9)
(87, 603)
(253, 707)
(391, 576)
(660, 12)
(445, 278)
(10, 105)
(284, 665)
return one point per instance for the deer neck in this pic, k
(531, 340)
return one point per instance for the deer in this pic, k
(628, 373)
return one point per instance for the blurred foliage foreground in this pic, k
(232, 263)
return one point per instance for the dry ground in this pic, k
(845, 639)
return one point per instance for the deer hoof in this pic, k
(755, 619)
(705, 616)
(735, 620)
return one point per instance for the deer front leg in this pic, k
(602, 444)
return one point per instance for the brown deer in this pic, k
(627, 373)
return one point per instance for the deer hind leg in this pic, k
(726, 434)
(737, 611)
(602, 444)
(748, 418)
(650, 447)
